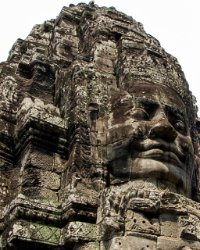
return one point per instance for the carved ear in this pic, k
(198, 127)
(196, 174)
(196, 179)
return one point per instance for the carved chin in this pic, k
(152, 168)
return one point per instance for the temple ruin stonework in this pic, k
(99, 139)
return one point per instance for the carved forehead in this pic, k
(157, 93)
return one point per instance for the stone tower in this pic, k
(99, 145)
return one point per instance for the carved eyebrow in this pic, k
(145, 101)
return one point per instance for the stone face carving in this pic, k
(99, 139)
(156, 142)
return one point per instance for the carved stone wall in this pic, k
(82, 100)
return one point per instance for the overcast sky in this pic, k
(175, 23)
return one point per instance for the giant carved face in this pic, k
(149, 137)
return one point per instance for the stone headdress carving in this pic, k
(56, 109)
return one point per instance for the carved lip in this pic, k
(163, 156)
(162, 151)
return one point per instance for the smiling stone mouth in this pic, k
(160, 146)
(161, 155)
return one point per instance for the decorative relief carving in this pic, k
(99, 139)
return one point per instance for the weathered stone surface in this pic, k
(168, 225)
(99, 139)
(27, 231)
(132, 242)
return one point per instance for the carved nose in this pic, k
(164, 130)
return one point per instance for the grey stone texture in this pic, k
(99, 139)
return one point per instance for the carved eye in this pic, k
(145, 108)
(139, 114)
(177, 120)
(150, 109)
(180, 127)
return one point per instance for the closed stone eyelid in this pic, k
(183, 128)
(179, 117)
